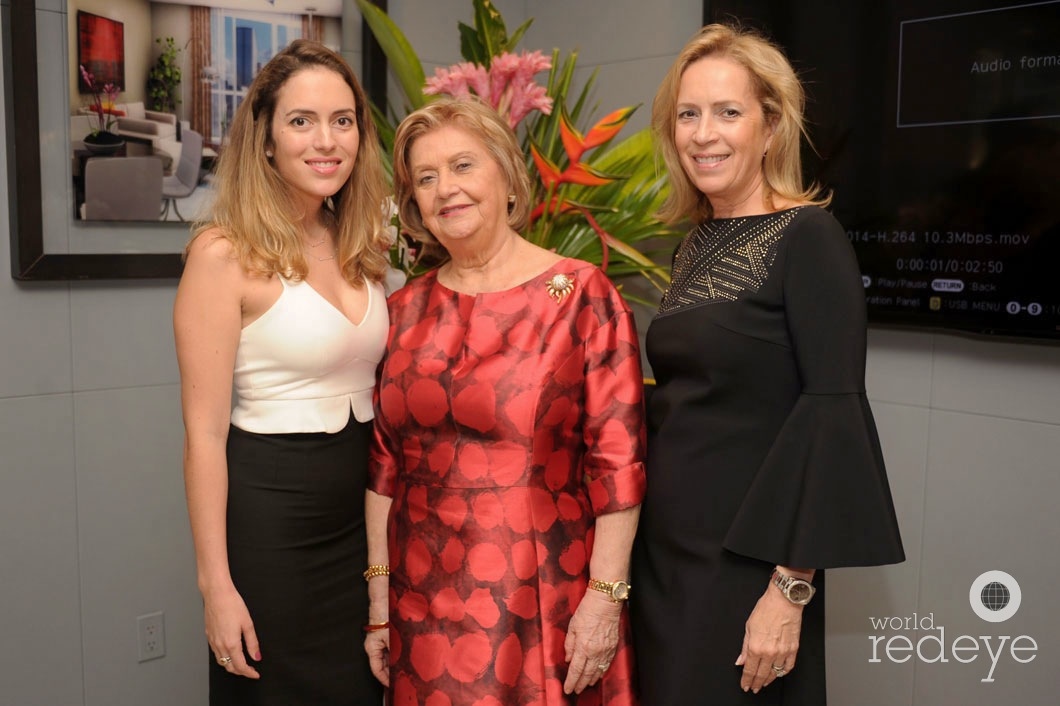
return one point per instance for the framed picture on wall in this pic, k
(46, 113)
(101, 50)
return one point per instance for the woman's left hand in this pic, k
(592, 640)
(770, 642)
(377, 645)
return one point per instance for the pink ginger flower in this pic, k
(459, 80)
(513, 91)
(529, 65)
(503, 71)
(534, 97)
(508, 86)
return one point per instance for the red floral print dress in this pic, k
(506, 422)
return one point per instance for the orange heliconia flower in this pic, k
(548, 171)
(577, 173)
(607, 127)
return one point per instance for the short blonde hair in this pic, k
(481, 121)
(254, 208)
(782, 98)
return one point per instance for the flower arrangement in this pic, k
(595, 196)
(105, 110)
(508, 84)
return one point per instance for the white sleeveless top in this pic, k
(303, 366)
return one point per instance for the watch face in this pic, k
(800, 592)
(620, 592)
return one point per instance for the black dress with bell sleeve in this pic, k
(762, 450)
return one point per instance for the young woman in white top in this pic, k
(281, 299)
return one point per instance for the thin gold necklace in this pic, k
(325, 218)
(332, 256)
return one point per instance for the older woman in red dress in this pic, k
(507, 473)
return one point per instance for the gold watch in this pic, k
(617, 591)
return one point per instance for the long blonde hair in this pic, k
(778, 90)
(254, 208)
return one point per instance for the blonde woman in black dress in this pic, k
(764, 465)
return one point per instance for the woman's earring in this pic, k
(511, 199)
(268, 153)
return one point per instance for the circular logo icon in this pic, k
(995, 596)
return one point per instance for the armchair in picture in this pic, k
(146, 124)
(122, 189)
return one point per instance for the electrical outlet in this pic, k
(151, 636)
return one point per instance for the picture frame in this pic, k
(101, 50)
(29, 258)
(45, 243)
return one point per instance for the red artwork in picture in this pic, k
(101, 50)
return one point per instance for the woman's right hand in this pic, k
(377, 645)
(228, 629)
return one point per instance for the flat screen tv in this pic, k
(937, 127)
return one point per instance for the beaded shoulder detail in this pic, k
(720, 260)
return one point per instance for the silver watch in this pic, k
(795, 590)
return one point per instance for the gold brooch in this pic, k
(560, 286)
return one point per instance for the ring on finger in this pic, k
(778, 669)
(224, 661)
(603, 666)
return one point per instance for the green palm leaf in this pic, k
(400, 56)
(517, 36)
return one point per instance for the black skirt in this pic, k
(296, 550)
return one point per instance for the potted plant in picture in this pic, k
(595, 193)
(101, 140)
(163, 80)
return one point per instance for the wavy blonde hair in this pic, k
(490, 128)
(782, 98)
(254, 208)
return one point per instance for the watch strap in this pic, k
(617, 591)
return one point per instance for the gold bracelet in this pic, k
(377, 570)
(372, 627)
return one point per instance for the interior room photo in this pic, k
(166, 76)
